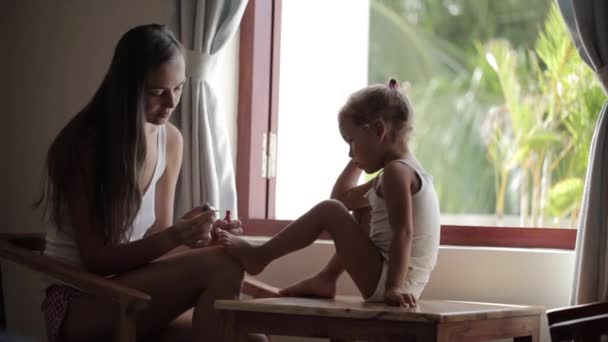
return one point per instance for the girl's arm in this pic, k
(346, 189)
(397, 183)
(102, 259)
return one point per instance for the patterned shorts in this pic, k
(55, 308)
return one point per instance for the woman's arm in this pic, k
(165, 188)
(396, 189)
(102, 259)
(346, 189)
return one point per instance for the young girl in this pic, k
(392, 263)
(111, 177)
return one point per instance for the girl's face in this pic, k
(364, 145)
(163, 90)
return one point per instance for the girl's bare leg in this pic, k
(191, 279)
(320, 285)
(354, 250)
(323, 284)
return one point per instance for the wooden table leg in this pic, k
(230, 327)
(520, 329)
(126, 329)
(536, 331)
(535, 336)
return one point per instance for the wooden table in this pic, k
(349, 318)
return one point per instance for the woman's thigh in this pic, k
(174, 283)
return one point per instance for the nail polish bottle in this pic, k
(227, 218)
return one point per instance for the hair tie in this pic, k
(393, 84)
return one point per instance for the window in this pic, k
(287, 86)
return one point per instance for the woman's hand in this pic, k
(194, 228)
(399, 297)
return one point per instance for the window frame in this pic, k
(257, 122)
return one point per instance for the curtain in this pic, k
(207, 173)
(586, 20)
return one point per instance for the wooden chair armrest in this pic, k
(258, 289)
(576, 312)
(87, 282)
(589, 327)
(31, 241)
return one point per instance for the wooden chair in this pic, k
(586, 322)
(26, 250)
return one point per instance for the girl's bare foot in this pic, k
(315, 286)
(243, 251)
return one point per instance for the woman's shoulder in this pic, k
(175, 143)
(174, 136)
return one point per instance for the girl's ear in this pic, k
(380, 128)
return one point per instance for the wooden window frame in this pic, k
(257, 121)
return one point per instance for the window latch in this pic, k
(269, 155)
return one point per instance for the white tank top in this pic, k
(61, 243)
(426, 219)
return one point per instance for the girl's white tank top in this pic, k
(426, 219)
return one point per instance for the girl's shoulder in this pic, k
(400, 169)
(408, 162)
(403, 171)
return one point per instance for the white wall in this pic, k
(503, 275)
(498, 275)
(62, 49)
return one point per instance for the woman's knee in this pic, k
(207, 267)
(226, 271)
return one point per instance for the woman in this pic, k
(110, 187)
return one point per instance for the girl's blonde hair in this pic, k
(379, 101)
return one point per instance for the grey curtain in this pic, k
(588, 26)
(207, 173)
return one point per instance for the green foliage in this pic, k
(550, 113)
(562, 195)
(504, 107)
(424, 39)
(431, 44)
(447, 141)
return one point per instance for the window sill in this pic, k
(256, 240)
(473, 236)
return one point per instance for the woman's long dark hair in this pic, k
(104, 146)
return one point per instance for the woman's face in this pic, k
(163, 90)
